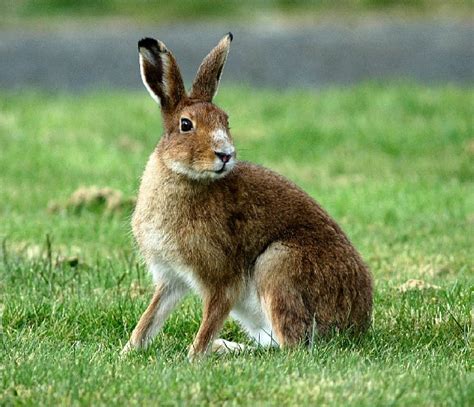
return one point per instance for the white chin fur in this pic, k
(179, 168)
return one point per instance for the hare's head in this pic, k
(197, 142)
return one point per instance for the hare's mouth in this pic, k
(222, 170)
(199, 173)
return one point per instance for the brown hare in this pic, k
(249, 242)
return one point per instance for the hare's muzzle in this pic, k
(224, 157)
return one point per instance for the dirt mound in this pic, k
(94, 199)
(419, 285)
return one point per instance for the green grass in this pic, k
(393, 164)
(170, 11)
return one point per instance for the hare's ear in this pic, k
(209, 74)
(160, 73)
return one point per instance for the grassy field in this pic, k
(183, 11)
(393, 164)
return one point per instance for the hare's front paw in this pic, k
(194, 355)
(127, 349)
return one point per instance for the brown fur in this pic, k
(144, 326)
(209, 73)
(245, 225)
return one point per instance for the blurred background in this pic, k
(75, 45)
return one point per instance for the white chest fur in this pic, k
(175, 274)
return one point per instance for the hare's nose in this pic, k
(223, 156)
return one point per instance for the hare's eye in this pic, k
(186, 125)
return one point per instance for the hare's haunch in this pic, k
(248, 241)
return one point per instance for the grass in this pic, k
(393, 164)
(168, 11)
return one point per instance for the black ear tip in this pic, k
(148, 43)
(231, 36)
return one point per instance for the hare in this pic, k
(248, 241)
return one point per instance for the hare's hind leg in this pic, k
(285, 291)
(165, 298)
(221, 346)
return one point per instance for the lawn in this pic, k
(393, 163)
(46, 12)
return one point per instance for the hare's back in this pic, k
(275, 201)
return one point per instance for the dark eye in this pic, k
(186, 125)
